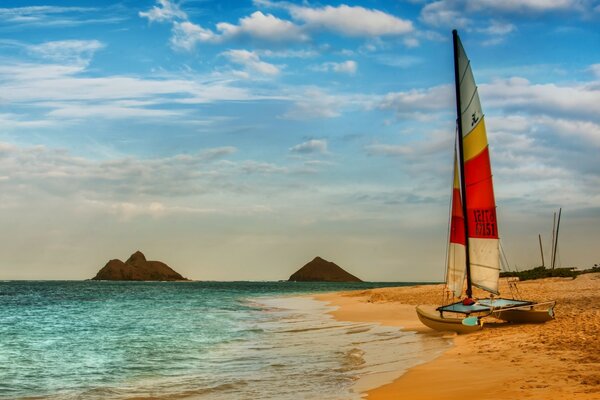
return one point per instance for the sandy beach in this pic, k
(556, 360)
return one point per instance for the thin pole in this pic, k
(556, 239)
(541, 250)
(461, 163)
(552, 248)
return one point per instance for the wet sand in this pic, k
(556, 360)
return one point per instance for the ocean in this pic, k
(191, 340)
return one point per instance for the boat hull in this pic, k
(525, 316)
(445, 324)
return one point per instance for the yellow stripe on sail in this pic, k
(476, 141)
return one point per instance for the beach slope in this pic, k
(556, 360)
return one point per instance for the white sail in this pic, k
(485, 263)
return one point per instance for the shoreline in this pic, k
(351, 307)
(372, 353)
(552, 361)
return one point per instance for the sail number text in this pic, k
(485, 223)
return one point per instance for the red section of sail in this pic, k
(457, 222)
(481, 212)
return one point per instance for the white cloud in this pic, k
(310, 147)
(185, 35)
(411, 42)
(108, 111)
(55, 16)
(33, 72)
(575, 101)
(263, 27)
(127, 210)
(544, 138)
(351, 21)
(498, 28)
(493, 41)
(544, 160)
(11, 121)
(259, 167)
(344, 20)
(565, 111)
(251, 61)
(595, 69)
(398, 61)
(76, 88)
(31, 12)
(444, 13)
(314, 103)
(422, 101)
(288, 53)
(203, 182)
(497, 31)
(67, 51)
(345, 67)
(586, 131)
(165, 11)
(524, 6)
(456, 13)
(424, 149)
(529, 71)
(389, 149)
(65, 92)
(346, 53)
(259, 26)
(55, 171)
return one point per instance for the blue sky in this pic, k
(239, 139)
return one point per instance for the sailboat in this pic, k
(474, 249)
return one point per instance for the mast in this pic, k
(461, 162)
(556, 239)
(541, 250)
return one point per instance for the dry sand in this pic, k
(556, 360)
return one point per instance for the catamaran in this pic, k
(474, 250)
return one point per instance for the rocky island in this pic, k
(137, 268)
(320, 270)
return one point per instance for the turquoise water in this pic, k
(209, 340)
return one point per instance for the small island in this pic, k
(137, 268)
(320, 270)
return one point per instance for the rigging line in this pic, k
(506, 267)
(504, 255)
(512, 285)
(516, 286)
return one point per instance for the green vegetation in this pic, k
(595, 268)
(541, 272)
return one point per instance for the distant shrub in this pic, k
(595, 268)
(541, 272)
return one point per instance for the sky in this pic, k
(237, 140)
